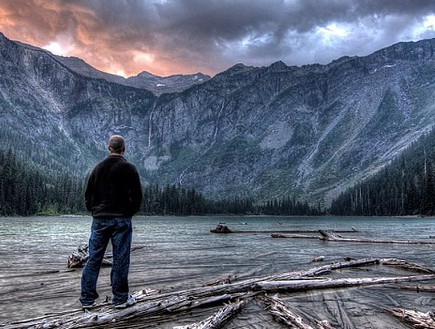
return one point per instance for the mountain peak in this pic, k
(279, 66)
(173, 83)
(145, 75)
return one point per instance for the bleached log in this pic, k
(318, 259)
(338, 265)
(285, 315)
(105, 315)
(298, 285)
(225, 229)
(324, 324)
(293, 236)
(80, 257)
(218, 319)
(330, 236)
(245, 285)
(221, 229)
(415, 318)
(406, 265)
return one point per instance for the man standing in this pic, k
(113, 195)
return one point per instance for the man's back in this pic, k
(113, 189)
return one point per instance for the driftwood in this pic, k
(157, 306)
(318, 259)
(415, 318)
(298, 285)
(283, 314)
(293, 236)
(218, 319)
(406, 265)
(330, 236)
(80, 257)
(220, 228)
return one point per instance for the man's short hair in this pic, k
(116, 144)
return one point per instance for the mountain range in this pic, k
(155, 84)
(261, 132)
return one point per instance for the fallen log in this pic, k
(104, 314)
(406, 265)
(283, 314)
(415, 318)
(220, 228)
(298, 285)
(80, 257)
(218, 319)
(318, 259)
(330, 236)
(293, 236)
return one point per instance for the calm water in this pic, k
(179, 252)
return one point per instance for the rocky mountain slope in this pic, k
(155, 84)
(145, 80)
(265, 132)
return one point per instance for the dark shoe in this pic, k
(88, 306)
(130, 302)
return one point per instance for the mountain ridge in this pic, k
(144, 80)
(263, 132)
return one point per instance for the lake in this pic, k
(180, 252)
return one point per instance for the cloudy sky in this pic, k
(168, 37)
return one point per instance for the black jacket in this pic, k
(113, 189)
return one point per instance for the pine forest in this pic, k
(404, 187)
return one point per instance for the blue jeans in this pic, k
(119, 230)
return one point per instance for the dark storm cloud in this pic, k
(186, 36)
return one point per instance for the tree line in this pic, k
(404, 187)
(176, 200)
(25, 191)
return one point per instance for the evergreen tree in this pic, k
(404, 187)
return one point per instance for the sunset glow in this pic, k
(183, 37)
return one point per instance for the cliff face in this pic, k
(58, 118)
(264, 132)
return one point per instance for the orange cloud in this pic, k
(71, 29)
(117, 37)
(185, 36)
